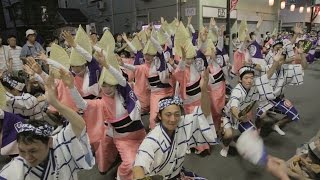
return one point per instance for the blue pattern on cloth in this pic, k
(170, 101)
(279, 105)
(45, 130)
(188, 175)
(244, 126)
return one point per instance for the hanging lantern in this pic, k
(292, 7)
(283, 5)
(271, 2)
(308, 9)
(301, 9)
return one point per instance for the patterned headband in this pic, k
(246, 69)
(170, 101)
(13, 83)
(44, 130)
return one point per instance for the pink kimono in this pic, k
(238, 62)
(217, 90)
(189, 81)
(147, 75)
(126, 129)
(94, 123)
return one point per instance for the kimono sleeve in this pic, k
(203, 131)
(295, 74)
(264, 88)
(234, 100)
(25, 101)
(66, 144)
(146, 153)
(13, 170)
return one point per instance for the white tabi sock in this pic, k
(278, 130)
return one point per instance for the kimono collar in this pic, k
(165, 132)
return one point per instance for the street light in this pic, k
(301, 9)
(283, 5)
(271, 2)
(292, 7)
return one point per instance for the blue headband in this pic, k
(45, 130)
(170, 101)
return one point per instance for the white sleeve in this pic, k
(80, 102)
(191, 28)
(26, 101)
(134, 50)
(156, 45)
(129, 66)
(97, 48)
(235, 98)
(169, 41)
(84, 53)
(146, 154)
(220, 43)
(56, 64)
(118, 76)
(78, 148)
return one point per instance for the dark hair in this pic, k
(234, 35)
(12, 36)
(246, 72)
(168, 97)
(29, 137)
(251, 34)
(18, 79)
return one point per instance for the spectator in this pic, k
(31, 48)
(4, 56)
(15, 65)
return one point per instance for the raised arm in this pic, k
(124, 37)
(297, 30)
(76, 121)
(205, 100)
(116, 74)
(68, 37)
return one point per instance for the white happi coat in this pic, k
(160, 155)
(289, 74)
(68, 155)
(240, 98)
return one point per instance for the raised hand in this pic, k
(102, 59)
(212, 23)
(69, 38)
(298, 29)
(161, 20)
(42, 56)
(51, 92)
(67, 78)
(31, 62)
(28, 70)
(221, 30)
(278, 56)
(205, 79)
(189, 20)
(124, 37)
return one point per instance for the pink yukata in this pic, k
(154, 76)
(125, 129)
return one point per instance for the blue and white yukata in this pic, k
(289, 74)
(241, 99)
(288, 49)
(162, 155)
(66, 158)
